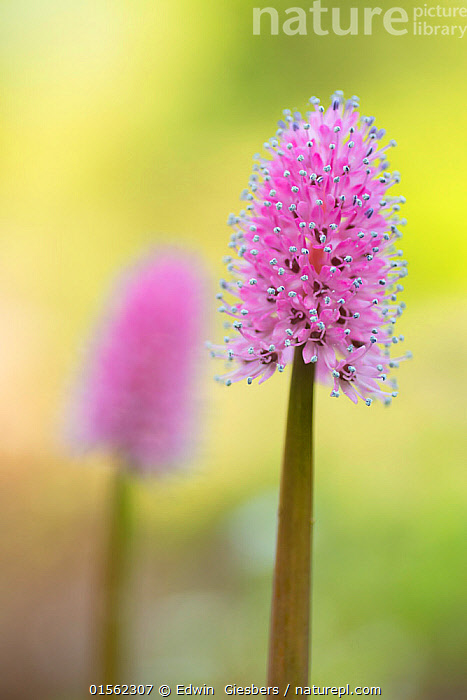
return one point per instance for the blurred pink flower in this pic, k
(138, 395)
(317, 266)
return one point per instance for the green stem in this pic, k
(289, 643)
(115, 576)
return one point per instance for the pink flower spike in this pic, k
(313, 261)
(137, 395)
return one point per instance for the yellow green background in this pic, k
(125, 123)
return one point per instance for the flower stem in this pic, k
(289, 642)
(115, 577)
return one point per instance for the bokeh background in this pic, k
(125, 123)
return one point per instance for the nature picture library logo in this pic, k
(426, 20)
